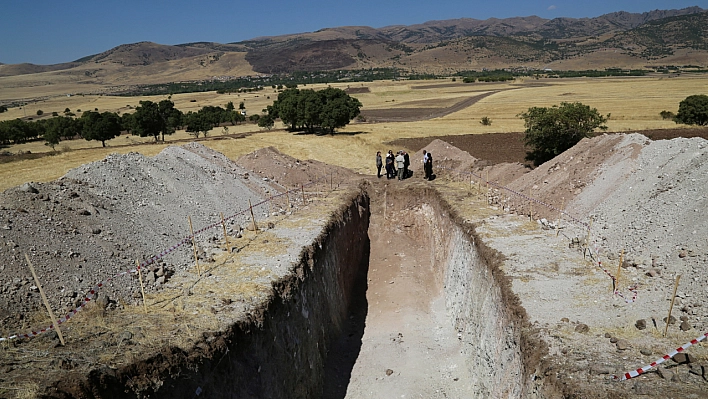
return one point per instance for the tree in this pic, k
(40, 112)
(693, 110)
(101, 127)
(153, 119)
(550, 131)
(199, 122)
(339, 108)
(59, 128)
(266, 121)
(230, 106)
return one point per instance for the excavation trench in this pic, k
(393, 299)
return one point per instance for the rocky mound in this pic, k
(101, 217)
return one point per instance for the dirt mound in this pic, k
(101, 217)
(269, 163)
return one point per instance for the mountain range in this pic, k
(616, 40)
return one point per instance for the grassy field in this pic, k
(634, 104)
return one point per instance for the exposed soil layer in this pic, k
(419, 114)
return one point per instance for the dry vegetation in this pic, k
(634, 104)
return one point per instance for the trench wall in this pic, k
(502, 356)
(277, 351)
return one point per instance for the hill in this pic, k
(616, 40)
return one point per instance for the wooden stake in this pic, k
(302, 186)
(287, 195)
(46, 302)
(253, 217)
(486, 182)
(587, 240)
(223, 225)
(619, 270)
(194, 246)
(673, 297)
(142, 287)
(560, 217)
(331, 183)
(385, 203)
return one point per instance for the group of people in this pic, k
(397, 166)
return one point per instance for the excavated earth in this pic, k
(357, 287)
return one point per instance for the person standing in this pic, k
(379, 164)
(389, 165)
(425, 164)
(400, 164)
(406, 164)
(429, 167)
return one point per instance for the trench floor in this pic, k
(400, 343)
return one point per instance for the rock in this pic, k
(95, 231)
(582, 328)
(29, 188)
(622, 344)
(125, 336)
(664, 373)
(642, 388)
(565, 320)
(150, 278)
(613, 340)
(608, 335)
(645, 352)
(683, 358)
(102, 301)
(641, 324)
(685, 326)
(672, 320)
(160, 271)
(600, 369)
(683, 318)
(389, 371)
(84, 212)
(682, 254)
(653, 272)
(160, 280)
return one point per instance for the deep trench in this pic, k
(396, 298)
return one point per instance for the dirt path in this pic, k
(406, 347)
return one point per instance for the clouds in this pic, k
(551, 8)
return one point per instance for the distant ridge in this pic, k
(618, 39)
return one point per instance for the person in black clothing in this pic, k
(406, 164)
(390, 171)
(429, 166)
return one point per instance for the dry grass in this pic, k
(634, 103)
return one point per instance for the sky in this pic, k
(50, 32)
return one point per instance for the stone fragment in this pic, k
(84, 212)
(653, 272)
(641, 324)
(683, 358)
(582, 328)
(646, 352)
(613, 340)
(682, 254)
(664, 373)
(600, 369)
(672, 320)
(389, 371)
(685, 326)
(565, 320)
(622, 344)
(608, 335)
(641, 388)
(29, 188)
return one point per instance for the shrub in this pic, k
(485, 121)
(40, 112)
(667, 114)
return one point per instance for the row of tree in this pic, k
(149, 119)
(309, 110)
